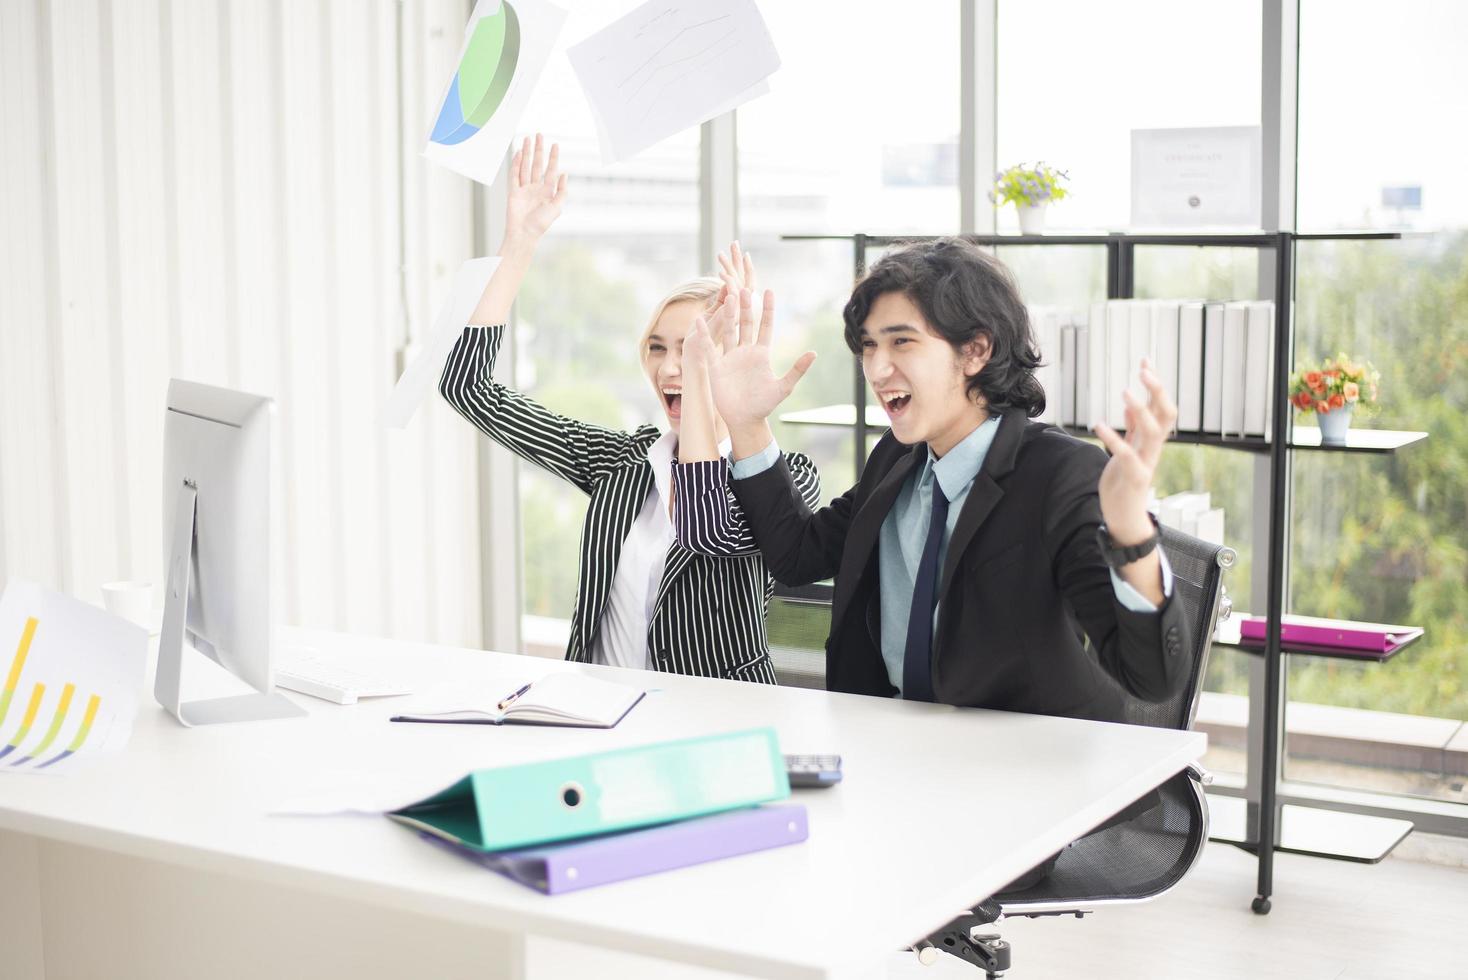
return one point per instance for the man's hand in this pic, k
(537, 191)
(744, 385)
(1127, 480)
(736, 269)
(745, 389)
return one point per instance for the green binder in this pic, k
(580, 796)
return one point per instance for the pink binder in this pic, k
(573, 865)
(1332, 634)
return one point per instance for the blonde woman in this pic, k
(642, 600)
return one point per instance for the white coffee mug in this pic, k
(132, 601)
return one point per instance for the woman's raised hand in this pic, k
(537, 191)
(736, 269)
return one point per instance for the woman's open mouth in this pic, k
(673, 401)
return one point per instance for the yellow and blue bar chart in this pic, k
(68, 668)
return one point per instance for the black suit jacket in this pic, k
(1022, 582)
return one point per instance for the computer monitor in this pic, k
(217, 546)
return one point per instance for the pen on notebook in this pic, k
(511, 699)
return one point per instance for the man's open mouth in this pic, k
(895, 402)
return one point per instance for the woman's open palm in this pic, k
(537, 190)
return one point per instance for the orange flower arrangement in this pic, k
(1339, 383)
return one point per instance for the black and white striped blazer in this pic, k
(709, 615)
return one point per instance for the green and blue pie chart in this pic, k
(483, 78)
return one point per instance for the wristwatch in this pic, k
(1116, 556)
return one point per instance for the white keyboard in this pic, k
(305, 672)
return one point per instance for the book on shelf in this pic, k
(1067, 374)
(1082, 405)
(1096, 367)
(1143, 345)
(1045, 326)
(1214, 359)
(1192, 512)
(1235, 360)
(1259, 370)
(1190, 367)
(1165, 345)
(1213, 333)
(1119, 367)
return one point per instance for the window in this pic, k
(884, 160)
(1075, 78)
(1380, 538)
(1071, 98)
(627, 237)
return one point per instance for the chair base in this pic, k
(1311, 831)
(989, 953)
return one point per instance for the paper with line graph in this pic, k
(669, 65)
(72, 675)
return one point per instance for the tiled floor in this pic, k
(1332, 920)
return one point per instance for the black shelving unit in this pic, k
(1263, 825)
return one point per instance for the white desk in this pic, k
(939, 808)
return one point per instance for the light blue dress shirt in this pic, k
(905, 529)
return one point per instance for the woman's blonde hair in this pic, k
(704, 289)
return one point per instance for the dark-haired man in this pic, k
(978, 545)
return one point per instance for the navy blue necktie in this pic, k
(917, 670)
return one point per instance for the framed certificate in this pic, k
(1189, 178)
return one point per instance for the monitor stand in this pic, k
(169, 680)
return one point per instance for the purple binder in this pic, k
(586, 863)
(1332, 634)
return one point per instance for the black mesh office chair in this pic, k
(1141, 858)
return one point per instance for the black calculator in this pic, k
(813, 770)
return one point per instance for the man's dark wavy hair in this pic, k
(964, 293)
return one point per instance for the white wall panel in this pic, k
(304, 397)
(354, 274)
(454, 524)
(216, 189)
(144, 309)
(77, 214)
(31, 516)
(406, 455)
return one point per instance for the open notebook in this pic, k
(568, 700)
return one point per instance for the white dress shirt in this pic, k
(621, 637)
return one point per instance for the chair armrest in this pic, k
(1199, 775)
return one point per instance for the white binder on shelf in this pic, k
(1235, 363)
(1068, 374)
(1259, 370)
(1165, 347)
(1140, 331)
(1047, 335)
(1096, 366)
(1083, 376)
(1213, 368)
(1119, 367)
(1190, 367)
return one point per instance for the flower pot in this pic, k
(1032, 218)
(1334, 425)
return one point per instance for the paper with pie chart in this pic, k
(72, 676)
(670, 65)
(506, 46)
